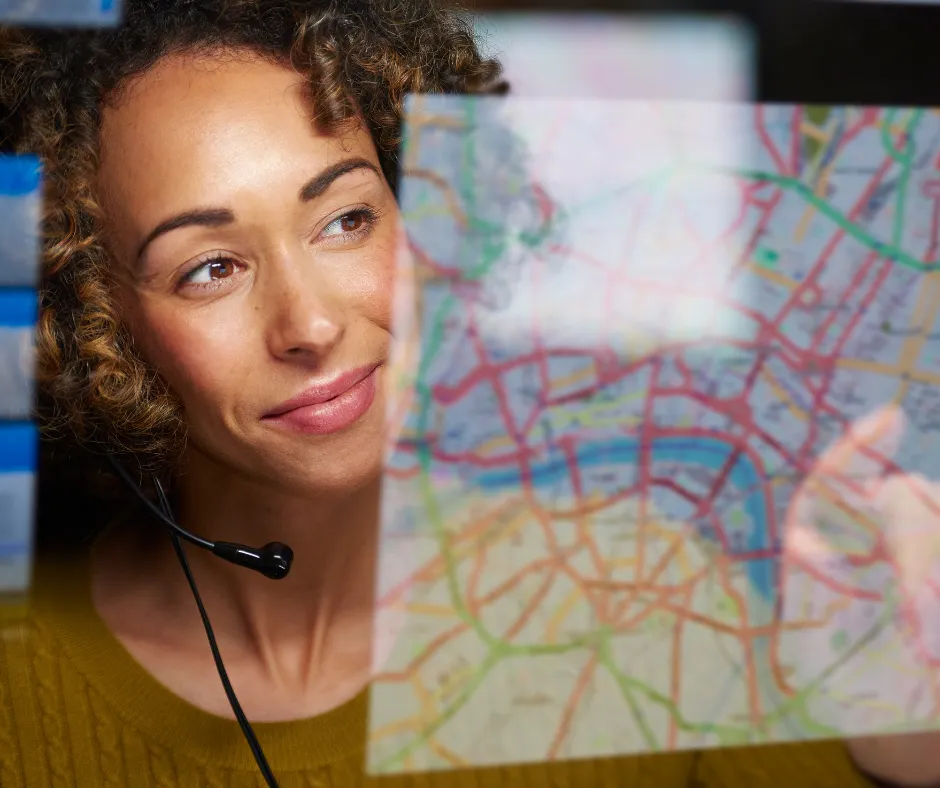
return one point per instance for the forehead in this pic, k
(209, 127)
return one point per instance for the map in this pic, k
(636, 327)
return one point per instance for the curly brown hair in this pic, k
(97, 396)
(360, 57)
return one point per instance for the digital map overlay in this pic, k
(640, 324)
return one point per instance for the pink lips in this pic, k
(329, 406)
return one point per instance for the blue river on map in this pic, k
(712, 453)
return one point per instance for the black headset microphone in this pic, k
(273, 561)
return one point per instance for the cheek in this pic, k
(372, 284)
(200, 360)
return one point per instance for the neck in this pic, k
(318, 619)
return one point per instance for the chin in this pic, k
(347, 464)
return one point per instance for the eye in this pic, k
(211, 271)
(352, 223)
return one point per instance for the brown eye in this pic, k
(211, 271)
(351, 222)
(220, 269)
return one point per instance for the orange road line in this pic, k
(660, 602)
(424, 656)
(563, 611)
(476, 571)
(640, 549)
(750, 666)
(530, 608)
(594, 508)
(571, 706)
(515, 579)
(399, 726)
(925, 313)
(434, 568)
(742, 634)
(658, 568)
(675, 683)
(451, 757)
(446, 190)
(427, 609)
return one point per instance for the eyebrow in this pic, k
(217, 217)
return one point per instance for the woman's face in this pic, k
(257, 260)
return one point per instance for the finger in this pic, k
(802, 540)
(857, 457)
(865, 448)
(806, 545)
(910, 508)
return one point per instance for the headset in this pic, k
(273, 560)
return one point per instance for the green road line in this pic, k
(548, 649)
(456, 597)
(668, 704)
(890, 251)
(814, 727)
(605, 658)
(907, 162)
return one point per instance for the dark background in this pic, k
(814, 51)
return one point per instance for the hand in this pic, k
(854, 481)
(853, 514)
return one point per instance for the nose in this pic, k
(307, 318)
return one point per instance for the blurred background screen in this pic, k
(619, 56)
(898, 2)
(806, 51)
(60, 13)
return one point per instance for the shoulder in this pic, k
(39, 688)
(32, 693)
(30, 626)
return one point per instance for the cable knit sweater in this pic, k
(76, 710)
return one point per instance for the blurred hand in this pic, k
(854, 477)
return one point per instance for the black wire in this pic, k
(164, 514)
(243, 723)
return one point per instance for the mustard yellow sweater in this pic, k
(76, 710)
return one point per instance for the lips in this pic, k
(330, 405)
(324, 391)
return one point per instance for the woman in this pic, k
(216, 311)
